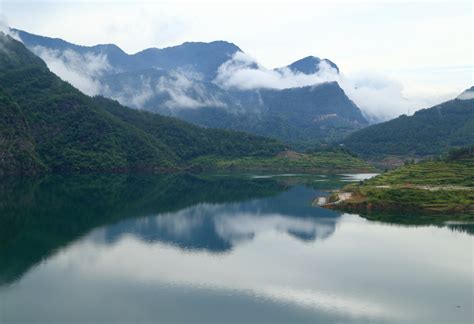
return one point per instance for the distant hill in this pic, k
(46, 124)
(428, 132)
(180, 81)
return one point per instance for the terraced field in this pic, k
(432, 186)
(430, 173)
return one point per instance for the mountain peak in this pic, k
(310, 65)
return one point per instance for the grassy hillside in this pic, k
(289, 161)
(49, 125)
(442, 186)
(428, 132)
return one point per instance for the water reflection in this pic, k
(455, 222)
(217, 249)
(39, 216)
(219, 227)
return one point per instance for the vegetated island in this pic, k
(442, 186)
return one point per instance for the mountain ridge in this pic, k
(180, 82)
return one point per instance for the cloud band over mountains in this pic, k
(379, 97)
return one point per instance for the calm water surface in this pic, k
(219, 249)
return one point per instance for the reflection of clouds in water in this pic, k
(331, 302)
(184, 222)
(219, 227)
(331, 278)
(237, 228)
(259, 270)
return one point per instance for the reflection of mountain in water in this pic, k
(40, 216)
(218, 227)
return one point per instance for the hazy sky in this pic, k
(426, 45)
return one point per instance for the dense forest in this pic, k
(461, 152)
(48, 125)
(429, 131)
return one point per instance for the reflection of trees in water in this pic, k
(463, 223)
(39, 216)
(463, 228)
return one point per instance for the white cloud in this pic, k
(378, 96)
(185, 91)
(81, 70)
(244, 73)
(135, 95)
(180, 86)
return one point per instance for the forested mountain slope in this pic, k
(428, 132)
(188, 81)
(46, 124)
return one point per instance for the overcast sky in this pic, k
(426, 45)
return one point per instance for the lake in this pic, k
(218, 249)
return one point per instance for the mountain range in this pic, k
(48, 125)
(199, 82)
